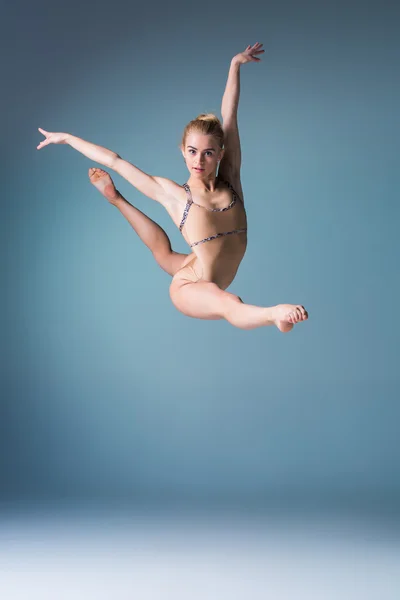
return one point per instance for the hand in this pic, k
(249, 55)
(52, 138)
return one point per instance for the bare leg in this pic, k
(149, 232)
(205, 300)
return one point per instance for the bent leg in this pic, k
(149, 232)
(153, 236)
(205, 300)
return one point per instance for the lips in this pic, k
(198, 169)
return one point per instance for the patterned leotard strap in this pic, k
(217, 235)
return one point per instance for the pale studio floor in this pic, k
(152, 556)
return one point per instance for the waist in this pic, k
(219, 262)
(218, 235)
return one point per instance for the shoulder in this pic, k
(172, 194)
(232, 177)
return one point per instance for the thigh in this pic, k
(198, 298)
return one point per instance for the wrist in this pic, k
(235, 62)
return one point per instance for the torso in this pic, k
(218, 259)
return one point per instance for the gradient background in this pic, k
(110, 396)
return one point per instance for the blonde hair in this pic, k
(206, 124)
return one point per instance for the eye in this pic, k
(208, 152)
(190, 150)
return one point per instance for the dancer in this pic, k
(209, 211)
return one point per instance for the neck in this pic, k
(207, 184)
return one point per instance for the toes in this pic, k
(298, 314)
(301, 311)
(95, 174)
(92, 171)
(295, 316)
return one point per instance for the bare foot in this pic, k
(103, 182)
(287, 315)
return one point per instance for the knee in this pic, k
(232, 304)
(165, 260)
(161, 255)
(233, 299)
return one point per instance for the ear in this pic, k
(221, 154)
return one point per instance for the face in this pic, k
(202, 154)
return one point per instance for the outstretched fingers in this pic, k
(52, 138)
(43, 143)
(254, 50)
(46, 141)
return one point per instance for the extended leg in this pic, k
(205, 300)
(149, 232)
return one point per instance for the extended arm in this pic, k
(156, 188)
(231, 162)
(230, 99)
(105, 157)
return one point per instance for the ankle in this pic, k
(118, 200)
(270, 315)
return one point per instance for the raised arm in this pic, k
(157, 188)
(230, 99)
(231, 162)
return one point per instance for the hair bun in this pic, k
(205, 124)
(208, 117)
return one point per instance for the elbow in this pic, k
(113, 161)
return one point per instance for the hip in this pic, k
(194, 269)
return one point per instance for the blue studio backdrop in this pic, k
(109, 394)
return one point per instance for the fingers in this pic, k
(253, 50)
(46, 141)
(257, 47)
(43, 143)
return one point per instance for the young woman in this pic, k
(209, 211)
